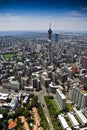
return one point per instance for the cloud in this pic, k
(4, 15)
(84, 8)
(17, 22)
(75, 13)
(8, 14)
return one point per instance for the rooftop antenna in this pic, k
(49, 25)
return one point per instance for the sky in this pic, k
(31, 15)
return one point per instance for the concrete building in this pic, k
(63, 122)
(53, 87)
(83, 78)
(14, 85)
(25, 101)
(28, 88)
(25, 81)
(84, 62)
(56, 38)
(13, 104)
(61, 99)
(81, 117)
(3, 97)
(1, 117)
(79, 97)
(45, 80)
(54, 78)
(36, 83)
(73, 121)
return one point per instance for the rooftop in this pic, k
(11, 125)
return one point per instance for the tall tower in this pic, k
(50, 32)
(49, 40)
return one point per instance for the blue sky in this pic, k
(67, 15)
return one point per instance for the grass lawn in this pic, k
(53, 111)
(55, 105)
(8, 56)
(69, 107)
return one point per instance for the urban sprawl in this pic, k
(43, 81)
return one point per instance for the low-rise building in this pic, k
(81, 117)
(73, 120)
(63, 122)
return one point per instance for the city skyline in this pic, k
(36, 15)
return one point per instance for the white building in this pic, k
(61, 99)
(53, 87)
(79, 97)
(73, 120)
(3, 96)
(25, 101)
(28, 88)
(1, 117)
(63, 122)
(14, 85)
(81, 117)
(24, 81)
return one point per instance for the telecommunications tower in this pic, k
(50, 44)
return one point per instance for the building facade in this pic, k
(79, 97)
(61, 99)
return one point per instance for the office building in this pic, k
(84, 62)
(56, 38)
(36, 83)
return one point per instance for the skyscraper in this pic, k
(56, 38)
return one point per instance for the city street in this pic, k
(41, 95)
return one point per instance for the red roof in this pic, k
(12, 124)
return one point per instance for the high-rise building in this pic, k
(56, 38)
(79, 97)
(36, 83)
(61, 99)
(84, 62)
(49, 39)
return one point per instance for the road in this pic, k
(41, 95)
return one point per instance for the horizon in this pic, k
(25, 15)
